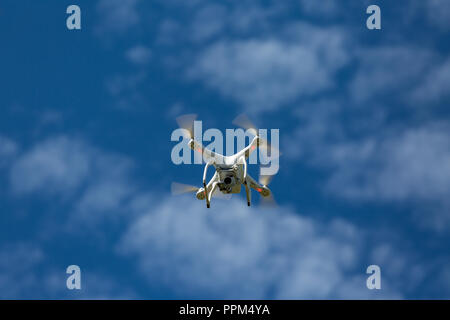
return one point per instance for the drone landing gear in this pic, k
(247, 192)
(210, 193)
(206, 195)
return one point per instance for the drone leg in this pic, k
(208, 199)
(204, 185)
(206, 195)
(247, 192)
(247, 189)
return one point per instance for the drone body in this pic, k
(230, 173)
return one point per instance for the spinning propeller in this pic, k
(180, 188)
(268, 201)
(244, 122)
(187, 122)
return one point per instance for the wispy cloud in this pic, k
(411, 165)
(125, 89)
(25, 273)
(438, 13)
(8, 149)
(412, 168)
(56, 166)
(190, 253)
(139, 54)
(16, 263)
(242, 253)
(435, 85)
(388, 71)
(327, 8)
(266, 73)
(95, 183)
(117, 16)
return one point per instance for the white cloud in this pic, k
(266, 73)
(367, 160)
(231, 251)
(435, 85)
(317, 125)
(56, 166)
(117, 16)
(8, 149)
(412, 165)
(411, 168)
(205, 22)
(388, 70)
(16, 261)
(27, 273)
(139, 54)
(327, 8)
(208, 21)
(125, 89)
(438, 13)
(107, 191)
(96, 183)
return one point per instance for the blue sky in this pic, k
(85, 168)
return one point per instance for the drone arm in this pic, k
(208, 155)
(251, 147)
(248, 150)
(257, 186)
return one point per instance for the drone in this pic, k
(230, 171)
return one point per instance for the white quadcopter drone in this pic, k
(231, 171)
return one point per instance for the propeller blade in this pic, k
(244, 122)
(180, 188)
(265, 180)
(187, 122)
(269, 201)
